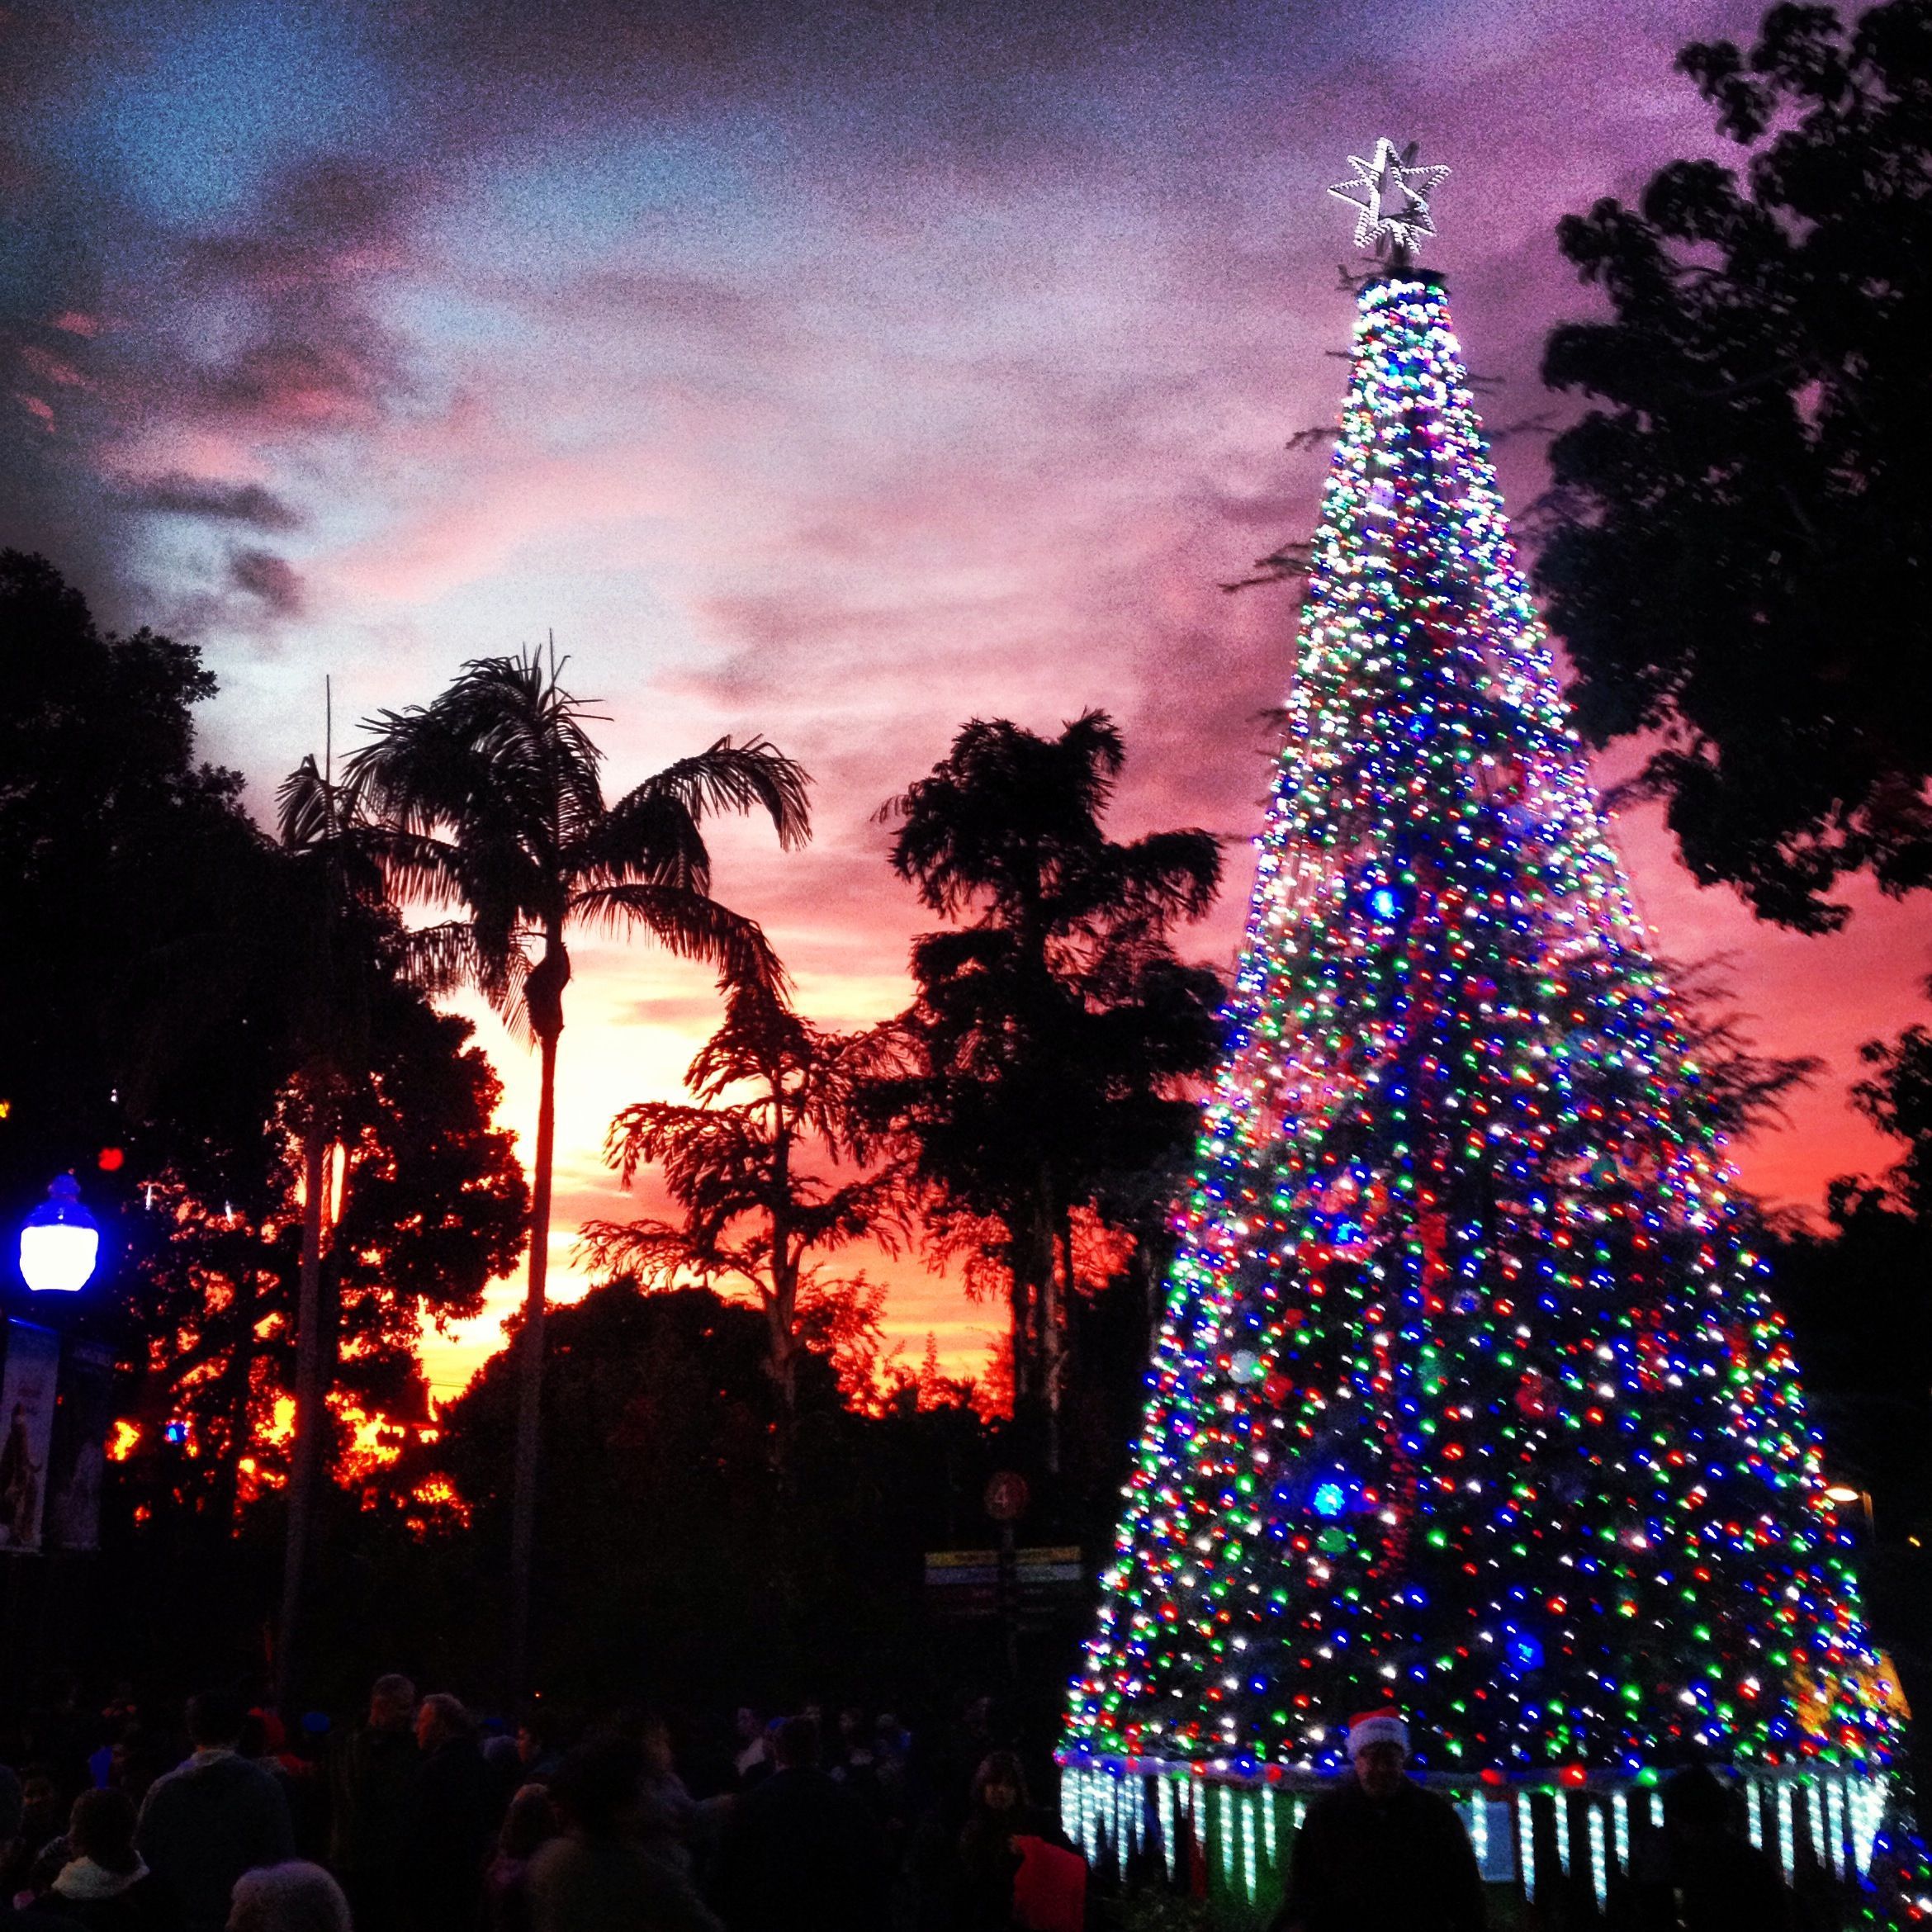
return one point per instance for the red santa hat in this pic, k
(1383, 1726)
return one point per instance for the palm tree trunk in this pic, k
(530, 1382)
(1057, 1299)
(305, 1451)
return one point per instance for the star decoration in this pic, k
(1393, 195)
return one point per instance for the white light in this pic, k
(59, 1243)
(1390, 195)
(57, 1258)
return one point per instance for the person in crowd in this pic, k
(999, 1812)
(1709, 1876)
(506, 1761)
(12, 1810)
(799, 1854)
(600, 1875)
(43, 1822)
(213, 1818)
(528, 1825)
(1380, 1850)
(452, 1818)
(667, 1813)
(137, 1757)
(46, 1868)
(372, 1780)
(537, 1746)
(293, 1896)
(857, 1768)
(104, 1884)
(753, 1761)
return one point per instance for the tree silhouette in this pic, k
(490, 798)
(1739, 547)
(1048, 1047)
(753, 1215)
(342, 903)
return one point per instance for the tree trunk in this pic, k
(785, 1302)
(306, 1450)
(1059, 1313)
(530, 1383)
(1019, 1308)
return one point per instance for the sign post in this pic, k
(1005, 1504)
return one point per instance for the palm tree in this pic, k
(490, 798)
(341, 910)
(1046, 1054)
(753, 1215)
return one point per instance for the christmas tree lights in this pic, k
(1468, 1394)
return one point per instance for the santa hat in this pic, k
(1383, 1726)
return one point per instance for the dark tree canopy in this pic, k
(1042, 1067)
(1741, 557)
(127, 873)
(160, 979)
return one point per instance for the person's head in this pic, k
(795, 1744)
(292, 1897)
(596, 1790)
(102, 1827)
(1378, 1747)
(1000, 1783)
(852, 1726)
(654, 1739)
(529, 1821)
(139, 1756)
(214, 1719)
(440, 1718)
(392, 1703)
(1698, 1804)
(748, 1724)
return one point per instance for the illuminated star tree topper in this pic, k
(1392, 194)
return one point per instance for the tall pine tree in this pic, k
(1469, 1396)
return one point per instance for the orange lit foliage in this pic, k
(428, 1207)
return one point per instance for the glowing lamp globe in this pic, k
(59, 1242)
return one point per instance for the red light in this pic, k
(110, 1160)
(1573, 1775)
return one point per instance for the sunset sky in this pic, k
(837, 373)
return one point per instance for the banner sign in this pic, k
(27, 1395)
(79, 1461)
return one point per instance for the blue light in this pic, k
(1329, 1499)
(1385, 902)
(1525, 1652)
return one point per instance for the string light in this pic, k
(1468, 1391)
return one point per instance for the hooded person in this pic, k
(104, 1884)
(1379, 1849)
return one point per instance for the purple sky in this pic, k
(833, 372)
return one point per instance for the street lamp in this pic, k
(59, 1242)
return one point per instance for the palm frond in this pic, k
(649, 837)
(653, 1251)
(752, 777)
(692, 926)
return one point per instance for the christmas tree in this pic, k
(1469, 1396)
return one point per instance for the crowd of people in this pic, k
(421, 1818)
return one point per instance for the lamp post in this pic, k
(59, 1242)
